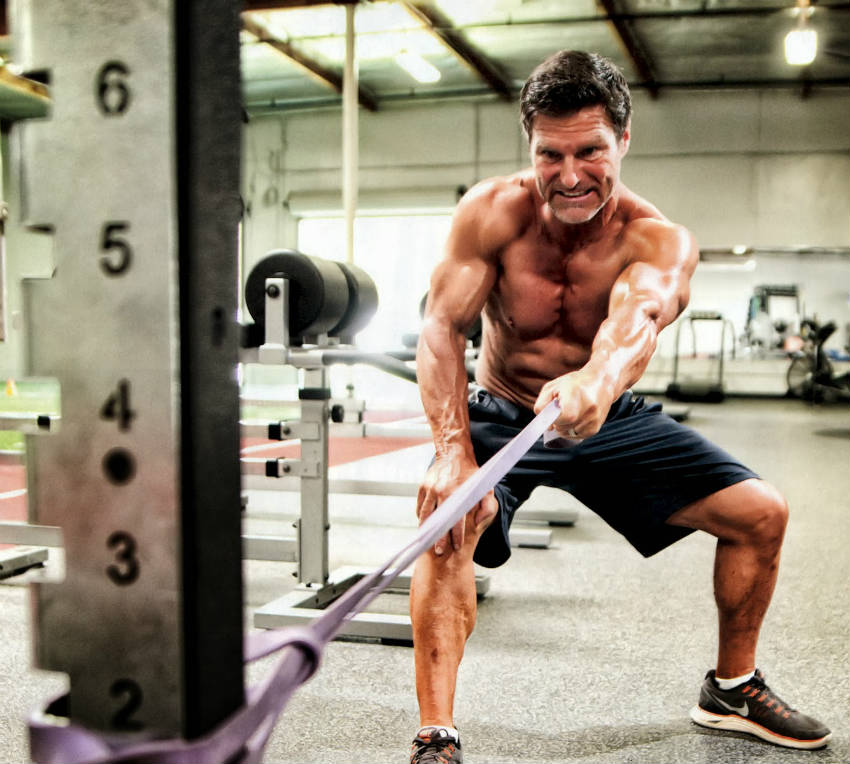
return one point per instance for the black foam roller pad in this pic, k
(362, 301)
(318, 291)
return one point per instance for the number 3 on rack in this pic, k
(125, 570)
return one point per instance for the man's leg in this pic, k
(442, 610)
(749, 520)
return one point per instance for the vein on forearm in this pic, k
(626, 340)
(443, 386)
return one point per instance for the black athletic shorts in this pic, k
(634, 473)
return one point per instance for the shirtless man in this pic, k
(576, 276)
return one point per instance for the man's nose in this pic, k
(569, 173)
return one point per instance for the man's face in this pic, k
(576, 162)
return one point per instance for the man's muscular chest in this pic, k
(543, 291)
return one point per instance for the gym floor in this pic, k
(583, 652)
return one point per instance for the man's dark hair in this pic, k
(570, 80)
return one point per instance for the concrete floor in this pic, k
(584, 652)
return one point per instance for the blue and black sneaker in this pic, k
(754, 708)
(435, 745)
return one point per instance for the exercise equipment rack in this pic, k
(317, 586)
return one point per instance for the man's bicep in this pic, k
(459, 289)
(658, 276)
(488, 218)
(660, 292)
(464, 277)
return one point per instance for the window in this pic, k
(398, 252)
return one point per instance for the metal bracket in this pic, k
(275, 348)
(15, 561)
(283, 430)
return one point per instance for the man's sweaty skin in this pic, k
(575, 274)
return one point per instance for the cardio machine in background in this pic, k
(811, 375)
(704, 383)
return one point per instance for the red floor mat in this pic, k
(340, 450)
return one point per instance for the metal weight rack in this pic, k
(317, 585)
(136, 174)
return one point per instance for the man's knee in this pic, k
(763, 515)
(770, 515)
(443, 589)
(752, 512)
(452, 560)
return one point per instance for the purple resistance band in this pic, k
(241, 739)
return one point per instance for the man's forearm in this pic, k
(443, 387)
(625, 343)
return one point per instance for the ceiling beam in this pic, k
(318, 72)
(792, 85)
(685, 13)
(249, 6)
(788, 83)
(635, 49)
(441, 27)
(666, 15)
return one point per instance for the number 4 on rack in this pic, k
(117, 406)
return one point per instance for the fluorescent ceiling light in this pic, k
(418, 68)
(801, 46)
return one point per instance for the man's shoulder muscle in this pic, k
(494, 212)
(658, 241)
(648, 235)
